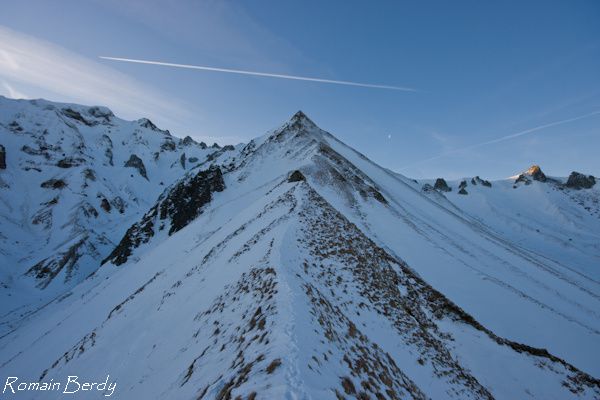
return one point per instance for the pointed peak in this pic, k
(534, 172)
(298, 125)
(534, 169)
(299, 115)
(300, 119)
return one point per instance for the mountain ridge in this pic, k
(315, 273)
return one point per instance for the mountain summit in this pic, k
(534, 172)
(302, 119)
(295, 267)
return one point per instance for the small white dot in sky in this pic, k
(389, 136)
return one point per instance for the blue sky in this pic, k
(482, 71)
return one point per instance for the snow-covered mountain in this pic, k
(73, 179)
(294, 267)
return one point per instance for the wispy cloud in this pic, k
(43, 67)
(504, 138)
(262, 74)
(223, 32)
(13, 93)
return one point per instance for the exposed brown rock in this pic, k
(54, 184)
(105, 205)
(273, 366)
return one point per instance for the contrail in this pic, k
(503, 138)
(264, 74)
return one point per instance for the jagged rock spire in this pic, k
(534, 172)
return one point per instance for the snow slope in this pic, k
(307, 271)
(75, 178)
(518, 291)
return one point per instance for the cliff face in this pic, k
(176, 208)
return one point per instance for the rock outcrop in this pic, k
(76, 115)
(137, 163)
(462, 188)
(441, 185)
(177, 207)
(146, 123)
(2, 157)
(105, 205)
(534, 172)
(478, 181)
(580, 181)
(69, 162)
(168, 144)
(188, 141)
(296, 176)
(45, 270)
(53, 184)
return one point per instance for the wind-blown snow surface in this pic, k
(340, 280)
